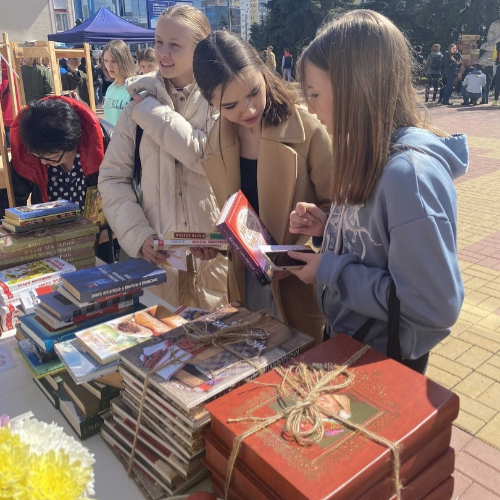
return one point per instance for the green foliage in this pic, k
(293, 23)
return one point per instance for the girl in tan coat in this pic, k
(274, 151)
(176, 194)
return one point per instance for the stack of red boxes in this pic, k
(385, 398)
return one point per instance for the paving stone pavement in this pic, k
(468, 361)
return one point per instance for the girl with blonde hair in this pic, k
(174, 193)
(387, 273)
(118, 65)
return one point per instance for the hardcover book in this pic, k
(384, 397)
(28, 228)
(61, 307)
(107, 340)
(84, 427)
(80, 364)
(200, 374)
(46, 339)
(33, 273)
(42, 209)
(88, 404)
(245, 233)
(102, 391)
(47, 390)
(56, 324)
(113, 279)
(41, 220)
(58, 235)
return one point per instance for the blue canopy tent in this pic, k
(103, 27)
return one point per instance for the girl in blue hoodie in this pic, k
(387, 273)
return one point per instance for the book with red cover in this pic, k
(247, 486)
(433, 480)
(245, 233)
(385, 397)
(443, 492)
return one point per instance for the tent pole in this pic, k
(90, 76)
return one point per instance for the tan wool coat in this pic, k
(294, 164)
(176, 193)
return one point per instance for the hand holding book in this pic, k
(204, 253)
(149, 252)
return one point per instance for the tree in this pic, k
(293, 23)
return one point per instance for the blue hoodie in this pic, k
(406, 232)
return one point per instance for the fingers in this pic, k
(138, 98)
(302, 256)
(204, 253)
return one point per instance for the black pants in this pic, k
(419, 365)
(432, 81)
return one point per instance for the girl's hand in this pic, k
(138, 97)
(308, 219)
(204, 253)
(307, 273)
(154, 256)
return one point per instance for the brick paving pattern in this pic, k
(468, 361)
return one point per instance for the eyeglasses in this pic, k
(51, 160)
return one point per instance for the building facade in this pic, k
(223, 14)
(36, 19)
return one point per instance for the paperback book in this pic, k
(28, 228)
(106, 341)
(246, 233)
(80, 364)
(113, 279)
(34, 361)
(41, 220)
(41, 209)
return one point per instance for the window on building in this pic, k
(62, 23)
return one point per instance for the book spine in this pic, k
(39, 220)
(248, 260)
(49, 343)
(42, 212)
(89, 296)
(90, 427)
(105, 310)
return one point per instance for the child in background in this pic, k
(387, 273)
(147, 61)
(118, 65)
(174, 193)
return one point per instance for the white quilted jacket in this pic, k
(176, 191)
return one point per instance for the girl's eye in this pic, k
(174, 45)
(230, 107)
(313, 96)
(158, 42)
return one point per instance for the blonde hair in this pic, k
(120, 52)
(193, 18)
(369, 64)
(436, 47)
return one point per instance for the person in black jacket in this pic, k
(433, 66)
(75, 79)
(451, 64)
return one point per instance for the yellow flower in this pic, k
(53, 477)
(15, 460)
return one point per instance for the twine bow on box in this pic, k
(304, 385)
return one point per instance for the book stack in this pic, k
(82, 405)
(384, 397)
(22, 284)
(169, 443)
(86, 299)
(468, 47)
(180, 240)
(33, 217)
(72, 241)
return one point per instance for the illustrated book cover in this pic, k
(245, 233)
(194, 375)
(41, 209)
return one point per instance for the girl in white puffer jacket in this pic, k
(176, 194)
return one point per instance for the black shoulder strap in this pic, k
(393, 343)
(137, 164)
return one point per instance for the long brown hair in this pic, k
(120, 52)
(220, 58)
(369, 64)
